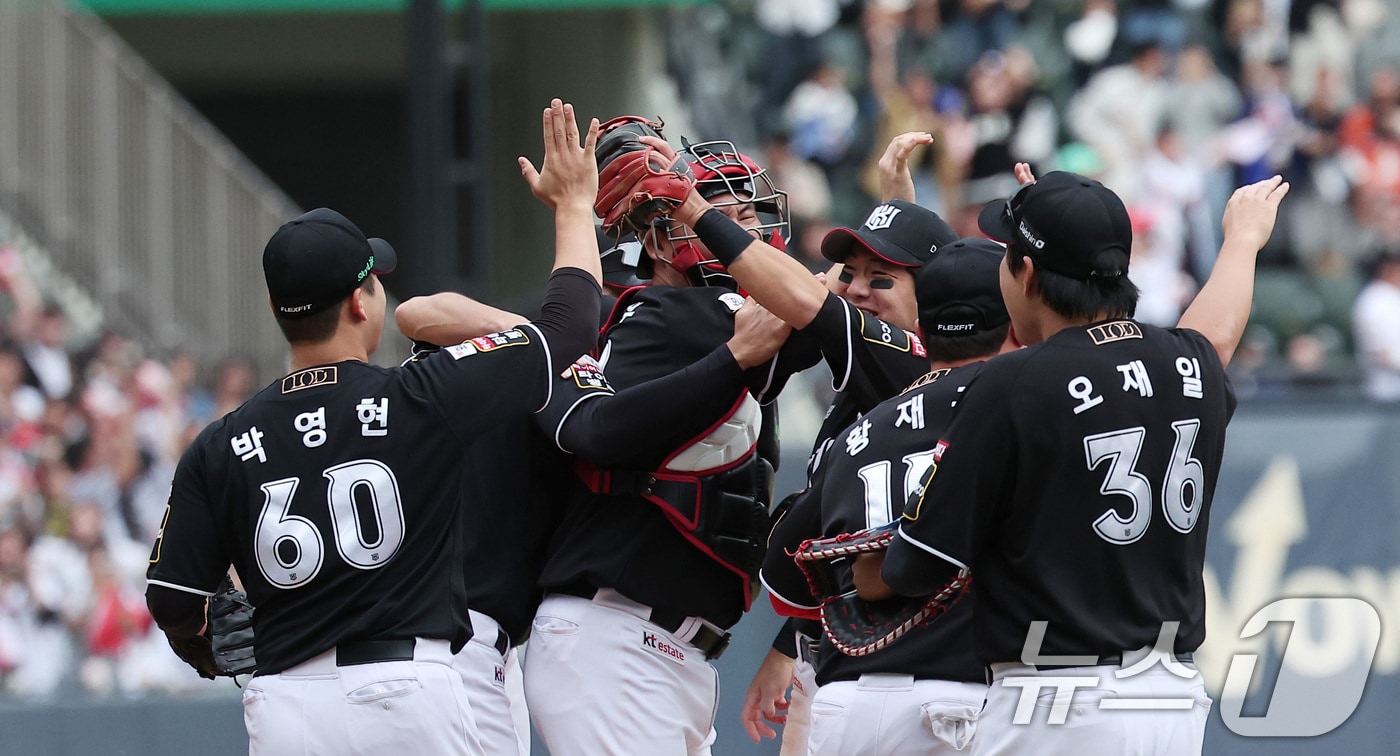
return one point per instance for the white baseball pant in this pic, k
(799, 716)
(895, 715)
(599, 679)
(1150, 710)
(317, 707)
(490, 678)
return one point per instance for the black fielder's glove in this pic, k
(855, 626)
(231, 631)
(196, 652)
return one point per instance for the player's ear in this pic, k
(356, 309)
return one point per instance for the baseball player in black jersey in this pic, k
(531, 480)
(334, 491)
(1075, 481)
(649, 571)
(863, 324)
(922, 694)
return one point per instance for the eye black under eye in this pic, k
(882, 283)
(845, 276)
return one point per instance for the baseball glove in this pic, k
(638, 181)
(231, 631)
(623, 134)
(196, 652)
(855, 626)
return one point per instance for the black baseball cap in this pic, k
(959, 290)
(316, 259)
(1067, 223)
(896, 231)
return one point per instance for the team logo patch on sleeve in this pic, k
(513, 337)
(1118, 330)
(731, 300)
(305, 379)
(587, 374)
(877, 331)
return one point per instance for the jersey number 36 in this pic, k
(1183, 489)
(289, 548)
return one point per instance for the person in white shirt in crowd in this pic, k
(1376, 320)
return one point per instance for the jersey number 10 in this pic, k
(289, 548)
(1183, 490)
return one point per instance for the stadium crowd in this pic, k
(88, 444)
(1172, 103)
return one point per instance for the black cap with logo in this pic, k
(1067, 223)
(959, 290)
(316, 259)
(896, 231)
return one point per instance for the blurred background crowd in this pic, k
(89, 439)
(1172, 103)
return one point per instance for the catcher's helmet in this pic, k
(622, 257)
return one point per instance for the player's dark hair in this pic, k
(318, 327)
(1077, 299)
(958, 348)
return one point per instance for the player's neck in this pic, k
(665, 275)
(339, 348)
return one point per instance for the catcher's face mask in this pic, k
(741, 189)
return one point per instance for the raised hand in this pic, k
(895, 179)
(758, 334)
(569, 174)
(1252, 211)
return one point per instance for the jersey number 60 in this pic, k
(289, 548)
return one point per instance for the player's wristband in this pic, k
(725, 239)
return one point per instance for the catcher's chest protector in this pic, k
(715, 489)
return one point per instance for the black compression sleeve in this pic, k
(911, 571)
(178, 613)
(725, 239)
(611, 430)
(569, 316)
(786, 641)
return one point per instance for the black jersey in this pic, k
(515, 489)
(335, 493)
(626, 542)
(863, 480)
(1075, 482)
(870, 361)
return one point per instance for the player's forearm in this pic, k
(575, 241)
(911, 571)
(569, 315)
(612, 430)
(778, 282)
(179, 614)
(449, 318)
(1221, 309)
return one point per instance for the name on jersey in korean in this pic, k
(310, 377)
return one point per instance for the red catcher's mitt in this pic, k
(855, 626)
(639, 181)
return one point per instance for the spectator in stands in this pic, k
(907, 98)
(1370, 135)
(809, 194)
(1009, 124)
(1376, 319)
(790, 48)
(821, 116)
(1118, 113)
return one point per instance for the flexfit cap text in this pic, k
(316, 259)
(959, 290)
(1067, 223)
(896, 231)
